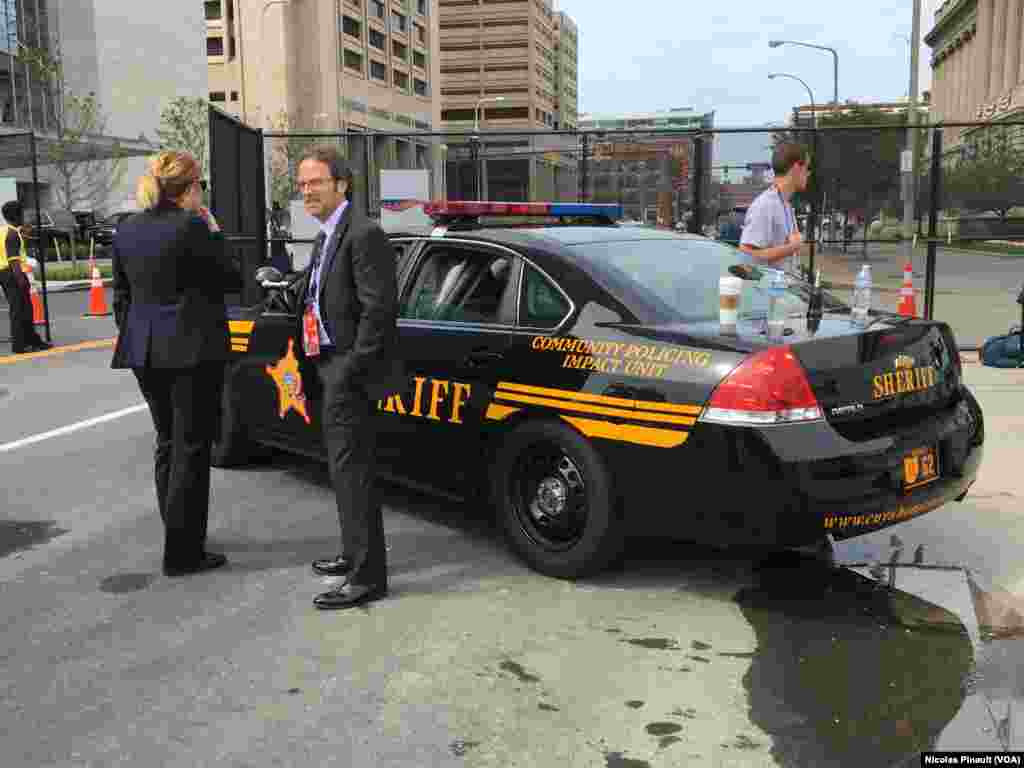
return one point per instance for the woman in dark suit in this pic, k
(171, 271)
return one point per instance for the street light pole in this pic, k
(814, 109)
(835, 61)
(481, 194)
(910, 168)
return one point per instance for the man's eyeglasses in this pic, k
(313, 184)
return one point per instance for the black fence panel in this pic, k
(238, 194)
(955, 215)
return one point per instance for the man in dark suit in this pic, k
(349, 329)
(171, 271)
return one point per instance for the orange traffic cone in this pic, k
(37, 302)
(907, 306)
(97, 298)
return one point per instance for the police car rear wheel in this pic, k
(555, 501)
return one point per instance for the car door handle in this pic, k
(481, 357)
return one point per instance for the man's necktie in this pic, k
(314, 276)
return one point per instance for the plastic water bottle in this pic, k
(861, 296)
(776, 305)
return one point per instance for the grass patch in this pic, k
(62, 272)
(1004, 249)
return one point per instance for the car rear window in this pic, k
(677, 279)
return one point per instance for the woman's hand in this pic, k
(206, 216)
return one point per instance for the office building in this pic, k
(977, 64)
(566, 72)
(360, 66)
(499, 73)
(156, 59)
(650, 175)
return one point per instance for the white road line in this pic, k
(71, 428)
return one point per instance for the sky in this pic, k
(716, 57)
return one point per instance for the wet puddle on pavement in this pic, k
(871, 665)
(120, 583)
(18, 535)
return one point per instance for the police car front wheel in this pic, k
(555, 500)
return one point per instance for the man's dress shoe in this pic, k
(335, 566)
(349, 595)
(208, 562)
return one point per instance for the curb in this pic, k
(73, 285)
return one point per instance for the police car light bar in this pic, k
(469, 208)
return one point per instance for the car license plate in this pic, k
(920, 467)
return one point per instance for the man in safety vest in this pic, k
(15, 283)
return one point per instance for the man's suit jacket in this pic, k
(359, 304)
(170, 277)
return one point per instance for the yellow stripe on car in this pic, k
(241, 326)
(499, 412)
(594, 409)
(606, 399)
(630, 433)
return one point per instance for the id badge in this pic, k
(310, 333)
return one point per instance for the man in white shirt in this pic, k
(770, 232)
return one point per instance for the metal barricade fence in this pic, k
(956, 214)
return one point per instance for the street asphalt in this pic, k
(680, 656)
(975, 292)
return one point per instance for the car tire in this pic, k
(231, 446)
(546, 477)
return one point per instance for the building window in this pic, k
(419, 60)
(353, 61)
(377, 39)
(508, 113)
(217, 96)
(457, 114)
(420, 87)
(398, 21)
(352, 27)
(215, 46)
(377, 8)
(422, 6)
(234, 95)
(378, 71)
(401, 80)
(213, 10)
(399, 51)
(421, 33)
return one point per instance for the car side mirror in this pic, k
(270, 277)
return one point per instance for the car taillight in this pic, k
(768, 388)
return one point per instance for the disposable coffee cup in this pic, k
(729, 291)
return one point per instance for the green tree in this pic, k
(285, 155)
(88, 167)
(989, 178)
(856, 166)
(185, 126)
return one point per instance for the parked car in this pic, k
(55, 231)
(103, 232)
(576, 379)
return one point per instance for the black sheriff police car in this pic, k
(572, 376)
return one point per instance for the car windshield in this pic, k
(679, 278)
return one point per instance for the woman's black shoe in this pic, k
(208, 562)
